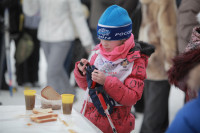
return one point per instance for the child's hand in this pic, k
(82, 66)
(98, 77)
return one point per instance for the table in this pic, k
(15, 119)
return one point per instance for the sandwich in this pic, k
(40, 110)
(44, 117)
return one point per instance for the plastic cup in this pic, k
(29, 99)
(67, 103)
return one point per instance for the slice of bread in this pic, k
(40, 110)
(44, 117)
(50, 94)
(46, 120)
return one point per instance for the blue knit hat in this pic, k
(114, 24)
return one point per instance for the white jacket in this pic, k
(60, 19)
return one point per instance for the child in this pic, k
(185, 74)
(121, 70)
(188, 118)
(184, 62)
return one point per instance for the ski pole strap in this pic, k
(85, 102)
(108, 102)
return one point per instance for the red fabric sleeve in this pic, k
(129, 92)
(81, 80)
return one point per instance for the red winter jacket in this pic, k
(126, 94)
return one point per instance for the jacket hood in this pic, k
(145, 48)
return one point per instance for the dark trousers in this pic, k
(28, 70)
(3, 66)
(156, 94)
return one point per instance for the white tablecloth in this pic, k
(15, 119)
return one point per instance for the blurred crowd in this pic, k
(66, 31)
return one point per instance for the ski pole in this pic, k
(103, 103)
(7, 42)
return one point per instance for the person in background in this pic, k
(185, 72)
(121, 70)
(56, 31)
(186, 20)
(178, 2)
(77, 50)
(158, 28)
(3, 84)
(184, 62)
(27, 71)
(14, 9)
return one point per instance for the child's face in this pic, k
(110, 45)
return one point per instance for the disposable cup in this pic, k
(29, 99)
(67, 103)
